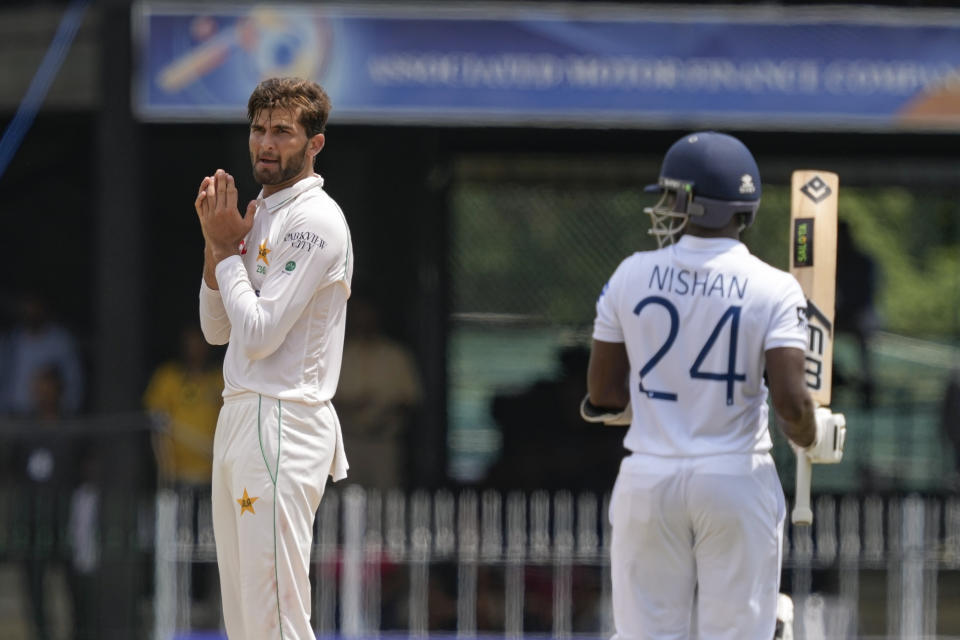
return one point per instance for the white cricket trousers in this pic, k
(271, 459)
(696, 547)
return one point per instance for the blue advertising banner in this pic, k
(560, 65)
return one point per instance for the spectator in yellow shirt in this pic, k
(184, 395)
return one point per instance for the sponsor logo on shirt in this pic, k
(305, 240)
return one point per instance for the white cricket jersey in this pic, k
(282, 302)
(696, 318)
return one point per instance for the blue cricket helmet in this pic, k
(713, 176)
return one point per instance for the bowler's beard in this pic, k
(284, 170)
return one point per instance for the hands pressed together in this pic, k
(220, 220)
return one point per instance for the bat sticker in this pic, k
(816, 189)
(803, 242)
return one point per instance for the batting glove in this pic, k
(784, 630)
(592, 413)
(827, 448)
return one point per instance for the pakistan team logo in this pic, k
(290, 266)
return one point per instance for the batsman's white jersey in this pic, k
(282, 309)
(697, 317)
(697, 509)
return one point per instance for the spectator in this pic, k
(37, 342)
(184, 396)
(856, 311)
(43, 474)
(377, 397)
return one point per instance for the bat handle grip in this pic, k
(801, 508)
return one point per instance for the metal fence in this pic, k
(77, 498)
(462, 562)
(868, 567)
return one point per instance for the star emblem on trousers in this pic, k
(246, 503)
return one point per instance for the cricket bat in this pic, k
(813, 262)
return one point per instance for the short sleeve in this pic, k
(606, 325)
(788, 325)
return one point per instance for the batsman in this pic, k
(681, 340)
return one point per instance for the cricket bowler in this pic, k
(275, 287)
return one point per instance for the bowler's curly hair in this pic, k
(292, 93)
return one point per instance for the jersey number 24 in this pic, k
(730, 376)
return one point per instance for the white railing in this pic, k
(909, 540)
